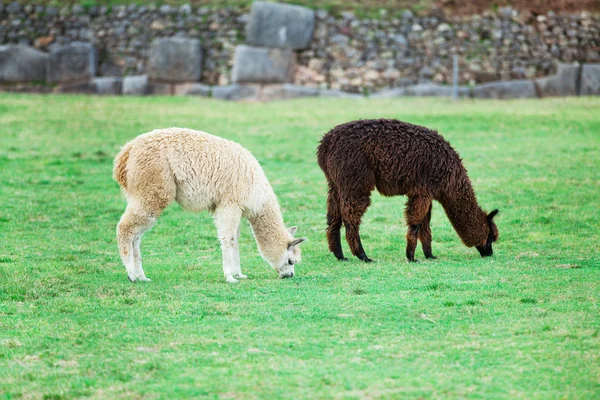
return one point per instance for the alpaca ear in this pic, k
(292, 230)
(491, 215)
(296, 242)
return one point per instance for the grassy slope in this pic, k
(521, 324)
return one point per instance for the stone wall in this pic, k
(401, 54)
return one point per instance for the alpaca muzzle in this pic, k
(486, 251)
(286, 275)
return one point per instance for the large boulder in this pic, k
(262, 65)
(72, 62)
(280, 25)
(564, 83)
(175, 59)
(136, 85)
(518, 89)
(22, 64)
(590, 80)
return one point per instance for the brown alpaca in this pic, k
(398, 158)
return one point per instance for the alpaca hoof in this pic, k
(412, 260)
(131, 278)
(342, 259)
(241, 276)
(230, 279)
(366, 259)
(431, 257)
(144, 279)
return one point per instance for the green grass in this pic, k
(363, 8)
(522, 324)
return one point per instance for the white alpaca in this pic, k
(201, 172)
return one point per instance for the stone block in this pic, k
(286, 91)
(236, 92)
(110, 85)
(136, 85)
(389, 93)
(564, 83)
(433, 89)
(160, 88)
(280, 25)
(519, 89)
(339, 94)
(175, 59)
(192, 89)
(72, 62)
(262, 65)
(80, 88)
(590, 80)
(20, 63)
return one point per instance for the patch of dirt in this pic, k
(534, 6)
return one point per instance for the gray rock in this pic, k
(505, 90)
(294, 91)
(590, 80)
(75, 61)
(426, 73)
(339, 39)
(22, 64)
(135, 85)
(264, 65)
(175, 59)
(185, 9)
(564, 83)
(400, 40)
(110, 85)
(85, 88)
(14, 8)
(287, 91)
(407, 14)
(340, 94)
(160, 88)
(77, 9)
(235, 92)
(193, 89)
(433, 89)
(166, 9)
(280, 25)
(389, 93)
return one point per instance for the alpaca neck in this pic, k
(269, 231)
(467, 218)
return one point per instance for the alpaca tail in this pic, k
(120, 165)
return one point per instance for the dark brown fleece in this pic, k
(397, 158)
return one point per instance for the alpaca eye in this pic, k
(290, 262)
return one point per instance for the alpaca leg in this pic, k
(129, 233)
(137, 255)
(238, 273)
(425, 235)
(353, 208)
(416, 210)
(334, 223)
(227, 220)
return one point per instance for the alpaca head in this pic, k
(291, 256)
(486, 250)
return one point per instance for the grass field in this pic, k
(522, 324)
